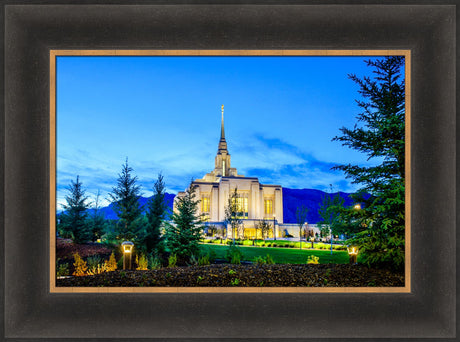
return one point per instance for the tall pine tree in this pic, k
(125, 197)
(186, 229)
(156, 212)
(381, 136)
(73, 222)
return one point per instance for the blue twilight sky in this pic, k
(163, 113)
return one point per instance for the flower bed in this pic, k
(226, 275)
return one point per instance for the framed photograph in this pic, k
(93, 85)
(95, 93)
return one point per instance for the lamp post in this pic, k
(353, 254)
(274, 229)
(127, 248)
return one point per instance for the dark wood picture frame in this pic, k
(31, 311)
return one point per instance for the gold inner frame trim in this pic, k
(147, 52)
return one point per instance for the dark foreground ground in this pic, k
(226, 275)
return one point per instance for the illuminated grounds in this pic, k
(254, 271)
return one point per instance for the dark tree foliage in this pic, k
(156, 212)
(185, 231)
(125, 197)
(380, 133)
(73, 221)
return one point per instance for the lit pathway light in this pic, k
(127, 248)
(353, 254)
(357, 206)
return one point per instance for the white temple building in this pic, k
(256, 201)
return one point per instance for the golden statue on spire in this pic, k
(222, 109)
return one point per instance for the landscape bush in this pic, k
(312, 259)
(62, 269)
(204, 260)
(154, 262)
(80, 266)
(142, 262)
(269, 260)
(111, 264)
(93, 261)
(172, 260)
(234, 255)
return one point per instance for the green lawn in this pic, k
(281, 255)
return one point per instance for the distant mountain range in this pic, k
(292, 198)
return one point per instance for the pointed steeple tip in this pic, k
(222, 131)
(222, 143)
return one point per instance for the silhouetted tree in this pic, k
(73, 221)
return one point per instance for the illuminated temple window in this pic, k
(242, 205)
(268, 208)
(205, 205)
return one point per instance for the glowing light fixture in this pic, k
(357, 206)
(127, 248)
(353, 254)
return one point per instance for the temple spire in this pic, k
(222, 131)
(222, 143)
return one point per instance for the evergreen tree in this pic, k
(380, 135)
(185, 231)
(73, 221)
(233, 213)
(156, 212)
(125, 197)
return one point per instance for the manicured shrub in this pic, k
(80, 266)
(97, 269)
(142, 262)
(93, 261)
(172, 260)
(234, 255)
(154, 262)
(259, 260)
(269, 260)
(62, 269)
(312, 259)
(193, 260)
(111, 264)
(204, 260)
